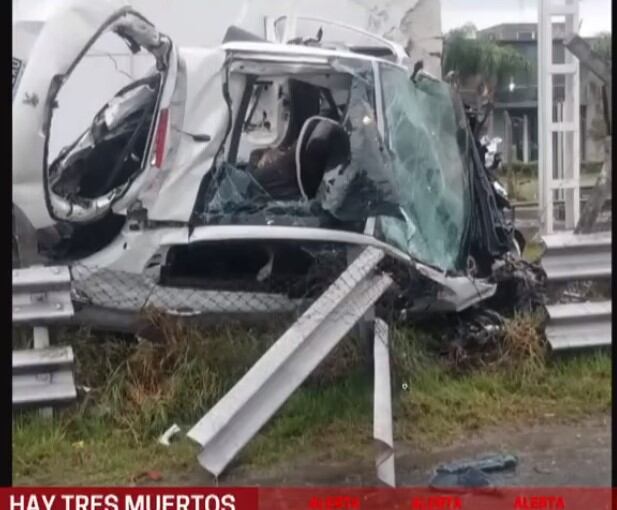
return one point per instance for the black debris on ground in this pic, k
(471, 473)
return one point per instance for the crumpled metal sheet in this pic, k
(205, 113)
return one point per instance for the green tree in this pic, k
(483, 60)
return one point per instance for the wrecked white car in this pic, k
(238, 167)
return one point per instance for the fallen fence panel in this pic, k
(241, 413)
(579, 325)
(129, 292)
(572, 256)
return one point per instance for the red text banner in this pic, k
(269, 498)
(145, 498)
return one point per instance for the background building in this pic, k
(517, 101)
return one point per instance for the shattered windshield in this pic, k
(307, 150)
(421, 133)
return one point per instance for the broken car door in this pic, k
(79, 180)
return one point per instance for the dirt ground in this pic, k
(570, 454)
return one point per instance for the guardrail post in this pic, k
(41, 341)
(41, 295)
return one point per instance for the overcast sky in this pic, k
(594, 14)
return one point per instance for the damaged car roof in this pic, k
(295, 50)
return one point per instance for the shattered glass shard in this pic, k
(366, 186)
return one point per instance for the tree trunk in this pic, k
(601, 192)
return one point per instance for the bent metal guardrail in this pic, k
(572, 257)
(43, 375)
(228, 426)
(41, 295)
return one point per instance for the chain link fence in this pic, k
(323, 290)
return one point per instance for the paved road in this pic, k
(551, 454)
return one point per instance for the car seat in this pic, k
(323, 145)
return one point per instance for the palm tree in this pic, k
(481, 62)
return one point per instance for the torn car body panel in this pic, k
(131, 253)
(198, 112)
(281, 29)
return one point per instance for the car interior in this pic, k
(113, 147)
(293, 133)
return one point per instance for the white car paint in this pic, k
(194, 96)
(51, 60)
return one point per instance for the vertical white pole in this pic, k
(545, 117)
(560, 159)
(567, 126)
(41, 341)
(572, 115)
(507, 145)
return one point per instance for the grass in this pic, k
(533, 251)
(523, 185)
(138, 389)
